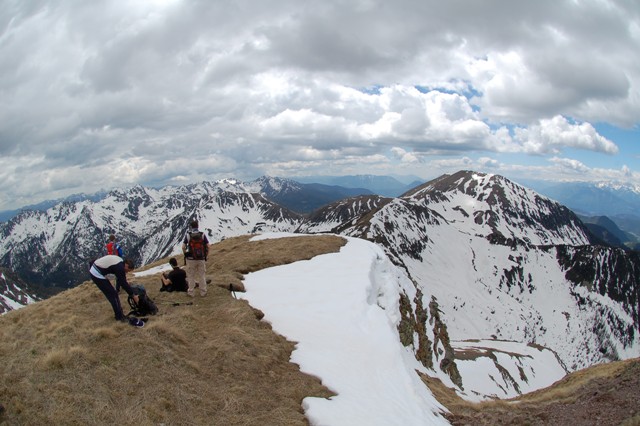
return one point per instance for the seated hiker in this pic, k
(119, 267)
(174, 280)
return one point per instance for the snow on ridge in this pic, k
(342, 310)
(331, 307)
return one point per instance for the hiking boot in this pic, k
(136, 322)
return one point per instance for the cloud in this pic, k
(200, 89)
(550, 136)
(569, 164)
(404, 156)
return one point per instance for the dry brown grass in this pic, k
(66, 361)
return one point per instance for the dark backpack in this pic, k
(197, 246)
(145, 305)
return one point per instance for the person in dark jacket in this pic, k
(174, 280)
(119, 267)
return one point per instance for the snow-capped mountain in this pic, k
(52, 247)
(486, 258)
(592, 199)
(492, 259)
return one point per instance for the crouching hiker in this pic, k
(115, 265)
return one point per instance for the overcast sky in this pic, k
(102, 94)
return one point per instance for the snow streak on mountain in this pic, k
(14, 293)
(487, 259)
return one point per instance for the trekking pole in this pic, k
(176, 303)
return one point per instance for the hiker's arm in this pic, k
(121, 280)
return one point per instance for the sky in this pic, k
(103, 94)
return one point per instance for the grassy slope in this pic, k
(66, 361)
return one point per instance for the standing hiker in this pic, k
(195, 247)
(115, 265)
(113, 247)
(174, 280)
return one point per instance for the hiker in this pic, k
(195, 247)
(113, 247)
(119, 267)
(174, 280)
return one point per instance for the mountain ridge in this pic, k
(230, 369)
(516, 243)
(458, 235)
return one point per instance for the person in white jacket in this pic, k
(111, 264)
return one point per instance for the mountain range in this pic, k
(618, 203)
(387, 186)
(486, 258)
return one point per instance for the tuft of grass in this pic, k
(62, 358)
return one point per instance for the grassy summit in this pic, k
(66, 361)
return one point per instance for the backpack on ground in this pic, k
(197, 247)
(145, 305)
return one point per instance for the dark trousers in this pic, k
(111, 294)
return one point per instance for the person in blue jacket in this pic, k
(111, 264)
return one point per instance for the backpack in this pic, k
(114, 248)
(145, 305)
(111, 247)
(197, 246)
